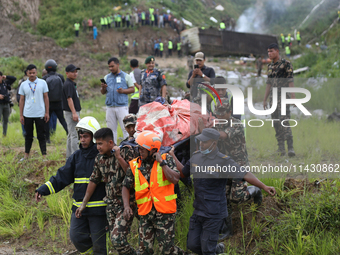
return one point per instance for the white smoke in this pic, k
(255, 18)
(249, 21)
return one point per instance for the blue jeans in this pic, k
(53, 123)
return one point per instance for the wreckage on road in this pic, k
(214, 42)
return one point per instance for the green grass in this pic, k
(311, 224)
(308, 225)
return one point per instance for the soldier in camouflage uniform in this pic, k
(110, 167)
(130, 122)
(153, 224)
(233, 144)
(153, 83)
(280, 74)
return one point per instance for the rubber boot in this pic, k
(220, 248)
(227, 229)
(291, 152)
(255, 193)
(281, 150)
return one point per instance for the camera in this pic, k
(196, 66)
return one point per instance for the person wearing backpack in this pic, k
(55, 82)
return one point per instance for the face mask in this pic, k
(207, 151)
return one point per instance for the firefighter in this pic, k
(87, 233)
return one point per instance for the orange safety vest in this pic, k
(160, 192)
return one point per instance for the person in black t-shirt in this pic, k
(71, 107)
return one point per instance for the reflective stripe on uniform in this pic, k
(143, 200)
(50, 187)
(171, 197)
(135, 94)
(139, 187)
(160, 181)
(90, 204)
(81, 180)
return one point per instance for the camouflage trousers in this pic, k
(282, 133)
(236, 191)
(119, 229)
(160, 226)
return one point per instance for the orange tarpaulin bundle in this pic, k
(172, 123)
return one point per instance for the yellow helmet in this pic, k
(298, 32)
(281, 34)
(288, 34)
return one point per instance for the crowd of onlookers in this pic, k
(150, 17)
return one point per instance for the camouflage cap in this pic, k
(149, 59)
(224, 108)
(130, 119)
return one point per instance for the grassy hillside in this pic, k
(57, 18)
(322, 63)
(290, 18)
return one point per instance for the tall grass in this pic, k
(184, 212)
(311, 227)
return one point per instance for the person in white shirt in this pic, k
(34, 109)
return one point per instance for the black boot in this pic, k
(281, 150)
(227, 229)
(256, 193)
(291, 152)
(220, 248)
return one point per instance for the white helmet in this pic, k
(88, 124)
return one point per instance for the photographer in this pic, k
(200, 71)
(5, 86)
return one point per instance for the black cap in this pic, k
(208, 134)
(71, 68)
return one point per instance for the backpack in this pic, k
(55, 88)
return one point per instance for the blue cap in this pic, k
(208, 134)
